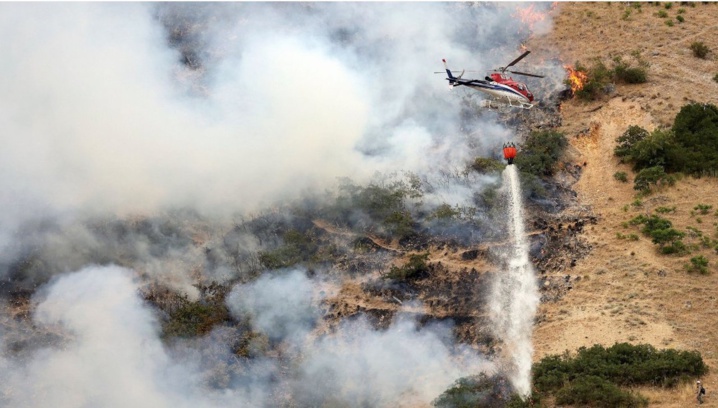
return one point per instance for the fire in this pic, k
(529, 15)
(576, 78)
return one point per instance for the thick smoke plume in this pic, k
(132, 133)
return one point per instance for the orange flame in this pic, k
(529, 15)
(577, 79)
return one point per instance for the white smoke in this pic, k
(514, 297)
(110, 354)
(93, 121)
(355, 365)
(96, 120)
(401, 366)
(282, 306)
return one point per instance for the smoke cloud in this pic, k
(109, 110)
(110, 354)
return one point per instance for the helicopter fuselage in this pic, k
(500, 90)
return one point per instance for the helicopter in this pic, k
(502, 88)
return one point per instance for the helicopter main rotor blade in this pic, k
(517, 59)
(526, 74)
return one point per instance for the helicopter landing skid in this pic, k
(498, 103)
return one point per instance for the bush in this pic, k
(698, 264)
(476, 391)
(669, 23)
(715, 77)
(623, 72)
(621, 176)
(662, 14)
(541, 152)
(598, 392)
(622, 364)
(193, 319)
(628, 140)
(599, 76)
(662, 233)
(703, 208)
(700, 50)
(486, 165)
(414, 269)
(382, 204)
(444, 212)
(652, 176)
(297, 247)
(690, 146)
(680, 18)
(668, 5)
(695, 149)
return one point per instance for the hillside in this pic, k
(628, 292)
(263, 204)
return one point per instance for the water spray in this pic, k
(514, 296)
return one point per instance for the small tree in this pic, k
(628, 140)
(700, 50)
(698, 264)
(652, 176)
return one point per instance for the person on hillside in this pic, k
(700, 391)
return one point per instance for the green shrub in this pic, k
(400, 224)
(540, 153)
(690, 146)
(444, 212)
(487, 165)
(597, 392)
(662, 233)
(669, 23)
(700, 50)
(662, 14)
(414, 269)
(703, 208)
(715, 77)
(668, 5)
(681, 10)
(475, 391)
(698, 264)
(628, 140)
(655, 176)
(193, 319)
(680, 18)
(598, 77)
(621, 176)
(383, 203)
(623, 72)
(622, 364)
(674, 248)
(666, 210)
(297, 247)
(694, 148)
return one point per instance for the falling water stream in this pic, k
(514, 296)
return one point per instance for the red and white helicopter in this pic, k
(502, 89)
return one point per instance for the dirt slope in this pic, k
(627, 291)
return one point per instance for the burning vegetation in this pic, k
(576, 79)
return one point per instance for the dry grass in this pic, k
(633, 294)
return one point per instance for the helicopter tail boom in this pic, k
(451, 77)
